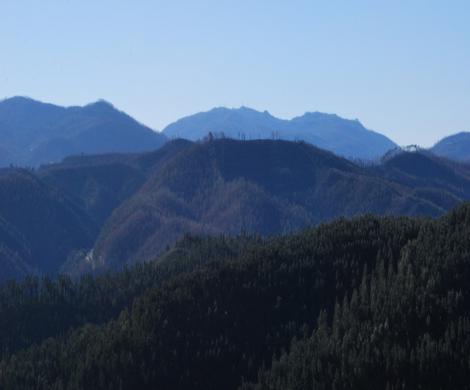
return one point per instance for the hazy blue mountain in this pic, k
(32, 132)
(455, 147)
(348, 138)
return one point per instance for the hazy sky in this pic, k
(401, 67)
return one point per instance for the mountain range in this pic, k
(34, 133)
(108, 211)
(229, 260)
(125, 193)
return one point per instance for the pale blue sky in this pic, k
(401, 67)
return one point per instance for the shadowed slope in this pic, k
(265, 187)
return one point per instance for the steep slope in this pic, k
(39, 225)
(377, 337)
(14, 253)
(455, 147)
(264, 187)
(344, 137)
(348, 138)
(50, 218)
(32, 133)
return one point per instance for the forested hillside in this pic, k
(227, 186)
(365, 303)
(51, 217)
(103, 212)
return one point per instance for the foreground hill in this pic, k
(32, 133)
(348, 138)
(455, 147)
(94, 213)
(369, 303)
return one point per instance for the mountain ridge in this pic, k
(345, 137)
(34, 133)
(268, 187)
(455, 147)
(126, 208)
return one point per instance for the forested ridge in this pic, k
(270, 187)
(106, 212)
(372, 302)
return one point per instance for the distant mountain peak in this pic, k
(320, 114)
(23, 101)
(101, 103)
(455, 147)
(101, 107)
(344, 137)
(34, 133)
(17, 99)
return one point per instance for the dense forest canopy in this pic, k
(372, 302)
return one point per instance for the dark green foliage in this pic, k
(406, 326)
(37, 308)
(387, 288)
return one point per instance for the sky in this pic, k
(401, 67)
